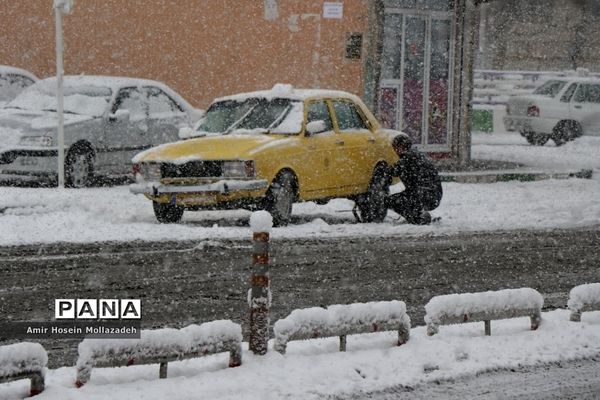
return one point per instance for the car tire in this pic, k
(565, 131)
(536, 139)
(167, 213)
(280, 198)
(79, 167)
(371, 206)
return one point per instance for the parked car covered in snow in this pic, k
(13, 81)
(560, 109)
(269, 149)
(107, 120)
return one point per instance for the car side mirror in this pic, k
(314, 127)
(120, 115)
(185, 132)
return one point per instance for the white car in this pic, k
(13, 81)
(561, 110)
(107, 120)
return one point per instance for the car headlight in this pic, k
(238, 169)
(148, 171)
(37, 141)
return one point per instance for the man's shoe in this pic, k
(425, 218)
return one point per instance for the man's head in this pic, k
(401, 144)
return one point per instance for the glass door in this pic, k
(416, 76)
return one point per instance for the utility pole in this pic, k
(60, 7)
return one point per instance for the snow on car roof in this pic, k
(6, 69)
(289, 92)
(115, 83)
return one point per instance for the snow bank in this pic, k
(167, 341)
(22, 357)
(584, 298)
(341, 320)
(454, 308)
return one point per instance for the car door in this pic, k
(357, 151)
(127, 129)
(316, 164)
(165, 117)
(585, 107)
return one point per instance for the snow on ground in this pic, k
(29, 216)
(314, 369)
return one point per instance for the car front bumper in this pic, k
(222, 191)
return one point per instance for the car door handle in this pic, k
(340, 142)
(577, 106)
(371, 140)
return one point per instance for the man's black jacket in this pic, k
(417, 173)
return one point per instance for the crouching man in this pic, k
(420, 177)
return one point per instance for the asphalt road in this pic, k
(192, 282)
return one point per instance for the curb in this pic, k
(511, 175)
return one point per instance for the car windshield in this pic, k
(80, 99)
(550, 88)
(252, 115)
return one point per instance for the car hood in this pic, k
(27, 121)
(225, 147)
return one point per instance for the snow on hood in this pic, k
(25, 120)
(224, 147)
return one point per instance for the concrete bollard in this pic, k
(259, 296)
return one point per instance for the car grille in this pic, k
(192, 169)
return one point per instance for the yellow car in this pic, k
(269, 149)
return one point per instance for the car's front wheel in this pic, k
(280, 198)
(536, 139)
(370, 207)
(167, 213)
(565, 131)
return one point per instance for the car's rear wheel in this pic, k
(167, 213)
(565, 131)
(79, 167)
(370, 207)
(536, 139)
(280, 198)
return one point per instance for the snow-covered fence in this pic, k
(484, 306)
(342, 320)
(24, 361)
(161, 346)
(584, 298)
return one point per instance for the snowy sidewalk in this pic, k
(315, 369)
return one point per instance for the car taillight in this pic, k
(137, 169)
(533, 111)
(250, 170)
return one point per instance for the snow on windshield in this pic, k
(84, 100)
(281, 116)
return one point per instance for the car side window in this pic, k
(348, 117)
(593, 94)
(587, 93)
(566, 97)
(318, 110)
(160, 103)
(132, 100)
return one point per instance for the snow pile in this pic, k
(584, 295)
(339, 320)
(22, 357)
(261, 221)
(167, 342)
(459, 305)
